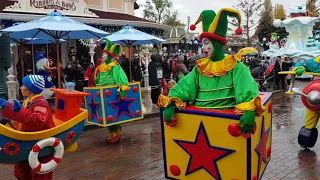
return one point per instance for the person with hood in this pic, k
(35, 114)
(155, 76)
(181, 68)
(91, 73)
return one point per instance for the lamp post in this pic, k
(12, 83)
(147, 103)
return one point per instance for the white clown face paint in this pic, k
(207, 47)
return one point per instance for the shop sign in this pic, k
(69, 5)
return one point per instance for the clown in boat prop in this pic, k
(225, 131)
(113, 101)
(17, 144)
(310, 96)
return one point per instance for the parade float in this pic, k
(210, 120)
(300, 43)
(69, 118)
(310, 96)
(113, 100)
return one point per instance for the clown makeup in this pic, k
(104, 57)
(207, 47)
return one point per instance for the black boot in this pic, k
(307, 137)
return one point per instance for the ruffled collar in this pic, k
(218, 68)
(107, 67)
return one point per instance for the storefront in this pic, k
(107, 15)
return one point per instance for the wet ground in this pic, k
(139, 155)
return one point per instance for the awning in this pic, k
(30, 17)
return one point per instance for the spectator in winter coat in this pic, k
(33, 115)
(182, 69)
(155, 76)
(91, 73)
(278, 77)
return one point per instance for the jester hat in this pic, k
(215, 26)
(113, 50)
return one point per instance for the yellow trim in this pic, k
(164, 101)
(30, 136)
(294, 73)
(103, 107)
(253, 105)
(215, 99)
(114, 46)
(215, 89)
(107, 67)
(214, 25)
(317, 59)
(219, 68)
(290, 93)
(72, 148)
(26, 101)
(123, 88)
(215, 107)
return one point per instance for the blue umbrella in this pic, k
(130, 36)
(54, 26)
(34, 41)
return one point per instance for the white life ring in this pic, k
(51, 165)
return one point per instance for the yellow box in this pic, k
(200, 146)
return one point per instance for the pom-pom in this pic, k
(55, 10)
(277, 23)
(97, 43)
(193, 27)
(239, 31)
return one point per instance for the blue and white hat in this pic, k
(38, 56)
(35, 83)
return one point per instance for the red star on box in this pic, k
(202, 154)
(261, 147)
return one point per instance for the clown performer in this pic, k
(110, 73)
(42, 64)
(35, 114)
(218, 81)
(310, 97)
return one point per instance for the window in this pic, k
(61, 104)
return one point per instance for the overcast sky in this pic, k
(193, 8)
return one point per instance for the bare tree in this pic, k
(251, 11)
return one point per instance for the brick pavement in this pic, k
(139, 155)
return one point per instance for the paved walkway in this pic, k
(139, 155)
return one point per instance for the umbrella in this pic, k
(247, 51)
(54, 26)
(130, 36)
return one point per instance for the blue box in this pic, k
(106, 108)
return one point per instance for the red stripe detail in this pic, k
(38, 168)
(109, 53)
(213, 36)
(56, 142)
(57, 160)
(36, 148)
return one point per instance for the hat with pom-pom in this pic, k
(215, 26)
(35, 83)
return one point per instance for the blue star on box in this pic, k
(123, 106)
(94, 106)
(202, 154)
(261, 147)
